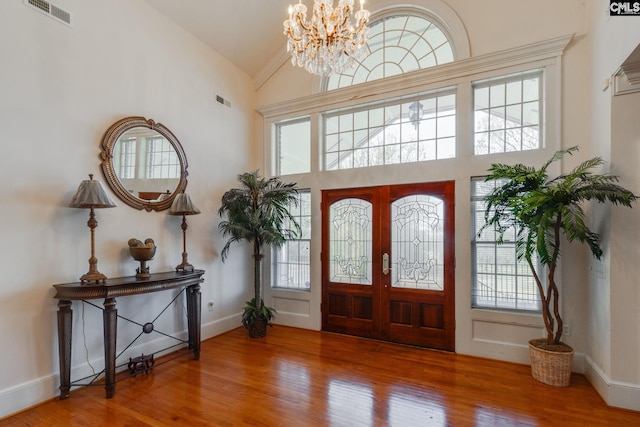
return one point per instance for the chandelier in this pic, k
(330, 42)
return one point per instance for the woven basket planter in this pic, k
(551, 367)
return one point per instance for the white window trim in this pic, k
(522, 58)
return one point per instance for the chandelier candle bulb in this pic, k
(331, 42)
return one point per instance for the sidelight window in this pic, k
(500, 280)
(292, 260)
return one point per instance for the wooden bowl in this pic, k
(142, 253)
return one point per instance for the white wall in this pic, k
(60, 89)
(613, 306)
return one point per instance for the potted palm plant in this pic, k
(543, 210)
(257, 212)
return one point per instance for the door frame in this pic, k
(381, 292)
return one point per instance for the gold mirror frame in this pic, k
(109, 141)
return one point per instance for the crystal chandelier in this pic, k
(330, 42)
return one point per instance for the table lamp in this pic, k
(182, 205)
(91, 195)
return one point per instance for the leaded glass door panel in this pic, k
(388, 263)
(350, 270)
(418, 305)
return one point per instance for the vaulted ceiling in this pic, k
(246, 32)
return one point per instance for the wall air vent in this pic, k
(223, 101)
(51, 10)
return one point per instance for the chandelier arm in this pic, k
(361, 25)
(292, 36)
(301, 21)
(301, 49)
(344, 20)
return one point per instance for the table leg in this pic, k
(65, 317)
(193, 319)
(110, 318)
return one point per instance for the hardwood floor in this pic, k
(298, 377)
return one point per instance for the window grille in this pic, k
(399, 131)
(508, 114)
(292, 261)
(397, 44)
(162, 160)
(500, 280)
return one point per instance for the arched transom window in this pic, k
(398, 44)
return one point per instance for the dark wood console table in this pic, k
(109, 290)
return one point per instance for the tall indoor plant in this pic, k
(257, 212)
(544, 210)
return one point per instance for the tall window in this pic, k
(508, 113)
(293, 139)
(399, 131)
(500, 280)
(292, 260)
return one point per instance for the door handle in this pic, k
(385, 264)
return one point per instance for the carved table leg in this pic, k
(193, 319)
(110, 318)
(65, 315)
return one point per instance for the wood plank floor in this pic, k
(298, 377)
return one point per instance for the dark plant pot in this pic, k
(258, 329)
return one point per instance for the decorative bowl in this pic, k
(142, 253)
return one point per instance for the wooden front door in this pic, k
(388, 263)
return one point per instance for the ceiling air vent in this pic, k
(51, 10)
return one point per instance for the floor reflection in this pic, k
(350, 404)
(293, 375)
(486, 417)
(410, 410)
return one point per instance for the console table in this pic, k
(109, 290)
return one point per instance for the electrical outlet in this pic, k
(566, 330)
(210, 305)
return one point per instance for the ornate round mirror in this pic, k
(143, 163)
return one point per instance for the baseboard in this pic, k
(615, 393)
(23, 396)
(220, 326)
(512, 352)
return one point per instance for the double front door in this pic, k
(388, 263)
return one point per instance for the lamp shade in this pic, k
(182, 205)
(91, 194)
